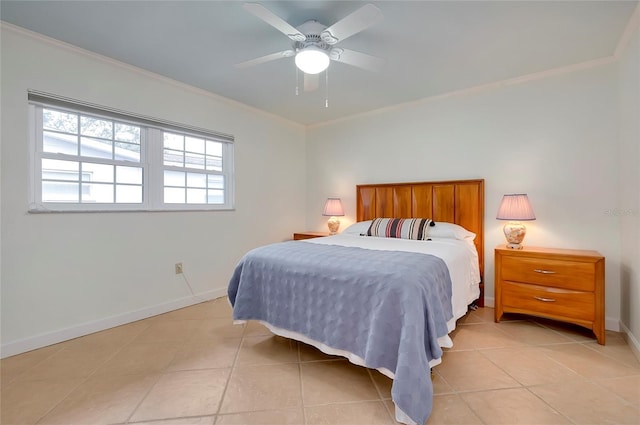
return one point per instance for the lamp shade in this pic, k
(312, 60)
(515, 207)
(333, 207)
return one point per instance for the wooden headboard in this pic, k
(455, 201)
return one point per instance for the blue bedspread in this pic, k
(387, 307)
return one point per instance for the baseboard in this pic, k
(42, 340)
(489, 302)
(612, 324)
(634, 344)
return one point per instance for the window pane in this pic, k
(214, 163)
(196, 196)
(173, 195)
(97, 193)
(63, 168)
(128, 194)
(127, 152)
(173, 141)
(127, 133)
(60, 143)
(97, 172)
(196, 180)
(194, 160)
(90, 126)
(61, 121)
(173, 158)
(214, 148)
(174, 178)
(194, 145)
(215, 196)
(132, 175)
(96, 148)
(59, 191)
(215, 181)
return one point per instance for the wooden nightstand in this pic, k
(561, 284)
(309, 235)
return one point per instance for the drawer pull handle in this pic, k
(545, 300)
(544, 271)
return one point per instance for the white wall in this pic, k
(66, 274)
(554, 139)
(629, 184)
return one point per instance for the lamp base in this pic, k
(515, 232)
(334, 224)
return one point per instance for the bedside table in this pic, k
(560, 284)
(309, 235)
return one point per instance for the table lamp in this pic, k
(515, 208)
(333, 209)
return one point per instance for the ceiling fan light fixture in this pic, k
(312, 60)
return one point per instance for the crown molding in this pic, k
(143, 72)
(623, 43)
(480, 88)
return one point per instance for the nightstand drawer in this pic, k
(548, 272)
(553, 302)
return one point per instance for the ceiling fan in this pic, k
(314, 43)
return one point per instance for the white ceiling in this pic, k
(431, 47)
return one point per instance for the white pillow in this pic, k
(450, 230)
(358, 228)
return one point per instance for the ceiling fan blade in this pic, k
(263, 59)
(360, 60)
(311, 82)
(275, 21)
(351, 24)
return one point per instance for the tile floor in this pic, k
(192, 366)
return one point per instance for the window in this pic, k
(89, 159)
(192, 168)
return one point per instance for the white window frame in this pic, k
(151, 159)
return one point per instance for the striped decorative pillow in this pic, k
(405, 228)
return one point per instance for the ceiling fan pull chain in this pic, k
(297, 82)
(326, 86)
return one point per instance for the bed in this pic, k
(382, 302)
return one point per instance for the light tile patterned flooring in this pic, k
(193, 366)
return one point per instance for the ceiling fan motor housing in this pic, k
(312, 30)
(312, 40)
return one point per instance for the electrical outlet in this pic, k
(178, 268)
